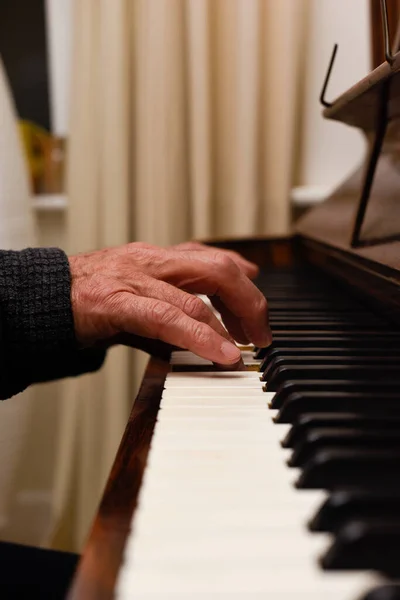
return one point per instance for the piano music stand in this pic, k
(376, 144)
(355, 217)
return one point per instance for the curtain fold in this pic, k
(94, 408)
(182, 125)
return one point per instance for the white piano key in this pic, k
(205, 426)
(184, 358)
(212, 456)
(229, 375)
(194, 412)
(222, 518)
(218, 383)
(179, 402)
(187, 354)
(163, 515)
(279, 595)
(209, 440)
(277, 579)
(224, 392)
(217, 516)
(213, 401)
(251, 551)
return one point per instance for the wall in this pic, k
(59, 42)
(52, 224)
(330, 150)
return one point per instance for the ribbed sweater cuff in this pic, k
(36, 311)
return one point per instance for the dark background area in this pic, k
(24, 53)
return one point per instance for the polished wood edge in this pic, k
(365, 265)
(377, 284)
(261, 250)
(102, 555)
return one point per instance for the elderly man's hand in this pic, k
(146, 291)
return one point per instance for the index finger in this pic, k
(215, 274)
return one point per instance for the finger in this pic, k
(158, 349)
(215, 274)
(154, 347)
(248, 267)
(155, 319)
(191, 305)
(230, 321)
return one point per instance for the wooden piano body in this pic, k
(354, 236)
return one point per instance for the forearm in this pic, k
(37, 339)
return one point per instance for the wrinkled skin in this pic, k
(143, 296)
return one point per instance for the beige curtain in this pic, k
(183, 125)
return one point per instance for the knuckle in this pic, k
(162, 315)
(225, 263)
(114, 301)
(135, 246)
(201, 335)
(140, 282)
(140, 253)
(194, 307)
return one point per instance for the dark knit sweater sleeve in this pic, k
(37, 339)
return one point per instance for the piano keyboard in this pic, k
(280, 483)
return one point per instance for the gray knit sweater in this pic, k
(37, 339)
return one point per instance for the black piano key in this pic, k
(311, 421)
(303, 306)
(332, 385)
(362, 373)
(369, 335)
(384, 592)
(347, 328)
(326, 317)
(345, 505)
(313, 317)
(374, 403)
(319, 439)
(302, 353)
(366, 544)
(282, 341)
(334, 468)
(346, 361)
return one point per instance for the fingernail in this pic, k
(263, 339)
(267, 339)
(231, 352)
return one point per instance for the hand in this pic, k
(142, 290)
(250, 269)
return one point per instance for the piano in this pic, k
(281, 481)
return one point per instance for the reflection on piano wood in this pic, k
(283, 482)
